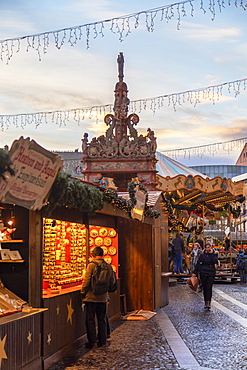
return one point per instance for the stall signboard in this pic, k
(35, 171)
(137, 211)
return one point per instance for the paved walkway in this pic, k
(182, 336)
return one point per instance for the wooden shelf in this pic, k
(11, 241)
(12, 261)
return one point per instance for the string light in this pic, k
(121, 26)
(201, 150)
(61, 117)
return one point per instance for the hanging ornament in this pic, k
(121, 26)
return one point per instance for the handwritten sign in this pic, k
(35, 171)
(138, 211)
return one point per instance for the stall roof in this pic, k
(187, 186)
(169, 167)
(242, 177)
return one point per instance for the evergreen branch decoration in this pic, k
(5, 165)
(111, 196)
(132, 190)
(72, 193)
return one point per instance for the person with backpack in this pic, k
(240, 266)
(99, 280)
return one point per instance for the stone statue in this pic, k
(120, 61)
(84, 143)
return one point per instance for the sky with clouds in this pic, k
(203, 52)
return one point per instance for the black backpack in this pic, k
(102, 281)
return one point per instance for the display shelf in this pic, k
(11, 241)
(12, 261)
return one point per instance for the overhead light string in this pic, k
(202, 150)
(121, 26)
(61, 117)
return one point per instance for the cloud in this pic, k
(206, 33)
(15, 24)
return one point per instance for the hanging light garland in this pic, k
(210, 149)
(121, 26)
(61, 117)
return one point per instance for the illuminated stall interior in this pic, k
(66, 248)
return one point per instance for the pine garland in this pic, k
(5, 164)
(71, 192)
(111, 196)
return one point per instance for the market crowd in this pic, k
(200, 259)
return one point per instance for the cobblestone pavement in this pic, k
(214, 338)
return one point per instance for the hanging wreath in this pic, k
(111, 196)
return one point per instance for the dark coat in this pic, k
(206, 264)
(240, 262)
(178, 245)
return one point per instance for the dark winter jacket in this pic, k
(178, 245)
(240, 262)
(206, 264)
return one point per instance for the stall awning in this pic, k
(192, 187)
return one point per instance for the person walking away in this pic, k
(95, 296)
(206, 268)
(245, 266)
(229, 244)
(240, 266)
(170, 256)
(178, 250)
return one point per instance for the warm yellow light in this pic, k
(10, 223)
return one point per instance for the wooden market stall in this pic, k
(138, 247)
(55, 246)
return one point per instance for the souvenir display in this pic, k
(94, 233)
(112, 251)
(103, 231)
(98, 241)
(105, 250)
(112, 233)
(64, 252)
(108, 259)
(114, 268)
(107, 241)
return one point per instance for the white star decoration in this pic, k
(2, 350)
(49, 338)
(29, 337)
(70, 312)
